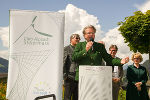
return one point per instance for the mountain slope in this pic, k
(3, 65)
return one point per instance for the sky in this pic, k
(103, 14)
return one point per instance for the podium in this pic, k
(95, 82)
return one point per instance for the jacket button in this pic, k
(84, 54)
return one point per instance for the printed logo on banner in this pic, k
(41, 88)
(34, 40)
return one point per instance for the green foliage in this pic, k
(2, 65)
(122, 94)
(136, 31)
(3, 91)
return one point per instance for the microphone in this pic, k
(92, 39)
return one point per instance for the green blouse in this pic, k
(135, 75)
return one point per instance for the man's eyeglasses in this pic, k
(113, 50)
(90, 33)
(136, 58)
(77, 38)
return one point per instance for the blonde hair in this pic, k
(138, 55)
(89, 26)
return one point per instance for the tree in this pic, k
(136, 32)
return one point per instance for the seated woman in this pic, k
(137, 78)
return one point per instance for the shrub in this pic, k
(3, 91)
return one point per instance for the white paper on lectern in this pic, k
(115, 69)
(36, 53)
(95, 83)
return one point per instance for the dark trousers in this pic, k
(115, 90)
(71, 89)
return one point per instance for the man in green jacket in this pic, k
(91, 53)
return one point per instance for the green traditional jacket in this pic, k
(93, 57)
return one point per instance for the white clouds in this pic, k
(144, 7)
(4, 54)
(113, 36)
(76, 19)
(4, 36)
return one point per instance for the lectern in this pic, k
(95, 82)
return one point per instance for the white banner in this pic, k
(36, 55)
(95, 83)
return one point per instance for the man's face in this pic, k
(113, 51)
(89, 33)
(75, 40)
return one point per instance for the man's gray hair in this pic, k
(89, 26)
(74, 36)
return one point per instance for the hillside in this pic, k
(4, 62)
(3, 68)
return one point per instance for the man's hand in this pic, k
(116, 80)
(102, 42)
(125, 60)
(89, 45)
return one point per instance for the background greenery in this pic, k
(3, 87)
